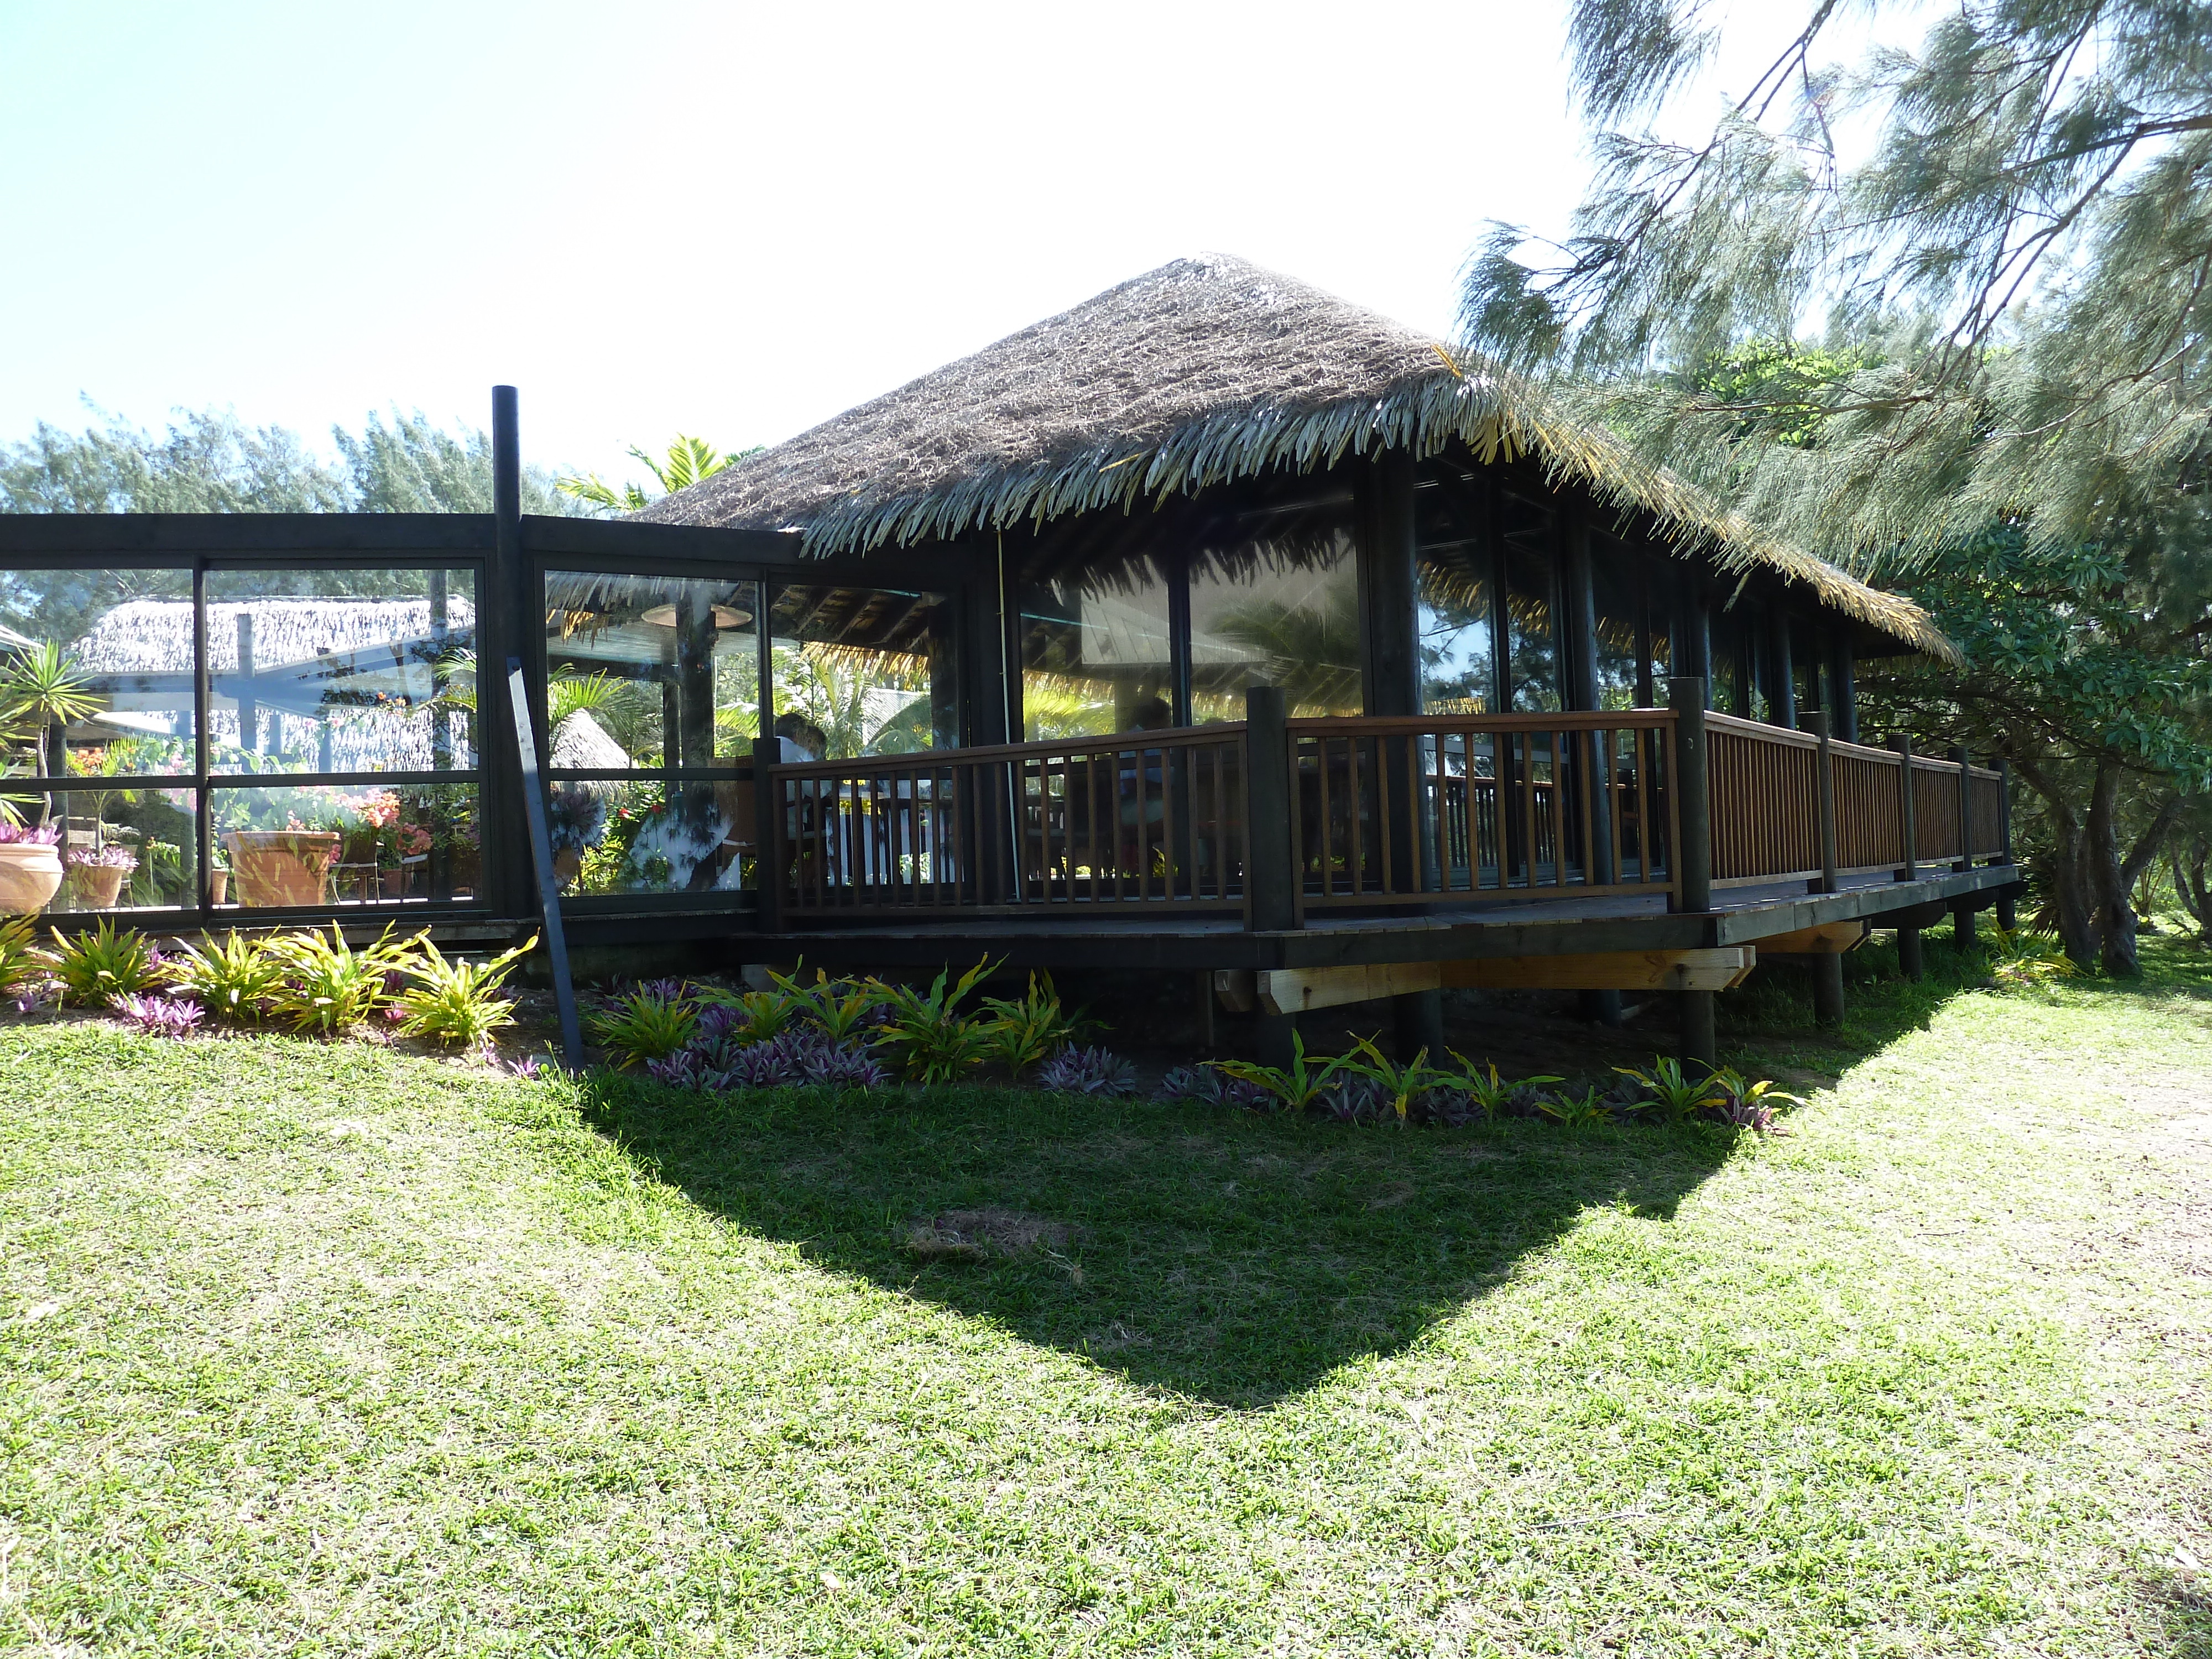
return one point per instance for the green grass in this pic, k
(330, 1350)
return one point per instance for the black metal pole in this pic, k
(503, 622)
(541, 858)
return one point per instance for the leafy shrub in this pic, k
(1401, 1086)
(1574, 1111)
(1355, 1099)
(159, 1016)
(1490, 1095)
(1076, 1071)
(2029, 962)
(839, 1009)
(100, 964)
(236, 979)
(936, 1043)
(328, 985)
(457, 1001)
(646, 1026)
(22, 961)
(1205, 1086)
(1025, 1030)
(1748, 1105)
(1294, 1089)
(796, 1057)
(1670, 1091)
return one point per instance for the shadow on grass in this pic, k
(1232, 1258)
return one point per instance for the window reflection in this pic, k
(650, 671)
(1458, 666)
(863, 671)
(1279, 609)
(1526, 529)
(1097, 650)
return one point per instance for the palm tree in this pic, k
(689, 460)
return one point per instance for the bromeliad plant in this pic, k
(1298, 1088)
(1487, 1092)
(237, 979)
(457, 1001)
(838, 1008)
(1027, 1031)
(329, 987)
(101, 963)
(1749, 1105)
(2029, 962)
(936, 1042)
(646, 1025)
(21, 960)
(1401, 1086)
(1670, 1091)
(1573, 1111)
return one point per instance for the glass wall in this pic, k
(1275, 610)
(1526, 530)
(1616, 581)
(651, 681)
(1097, 650)
(332, 676)
(1458, 595)
(863, 671)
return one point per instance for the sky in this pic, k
(732, 220)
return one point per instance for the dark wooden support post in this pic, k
(1824, 791)
(1271, 905)
(1696, 642)
(2007, 911)
(506, 619)
(1845, 709)
(1694, 858)
(1389, 608)
(203, 748)
(1782, 700)
(768, 823)
(1578, 589)
(1909, 961)
(1962, 913)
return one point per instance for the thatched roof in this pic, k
(1204, 370)
(155, 636)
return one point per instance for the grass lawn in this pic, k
(333, 1350)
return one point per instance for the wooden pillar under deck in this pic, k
(1909, 962)
(1693, 855)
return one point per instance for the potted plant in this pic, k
(96, 874)
(280, 867)
(30, 868)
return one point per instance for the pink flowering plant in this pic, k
(26, 834)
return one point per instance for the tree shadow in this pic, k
(1229, 1257)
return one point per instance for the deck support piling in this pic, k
(1276, 1032)
(1417, 1022)
(1909, 962)
(1699, 1042)
(1828, 989)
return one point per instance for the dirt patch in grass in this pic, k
(984, 1235)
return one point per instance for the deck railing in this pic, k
(1434, 806)
(1357, 812)
(1103, 823)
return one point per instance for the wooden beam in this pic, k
(1828, 940)
(1297, 990)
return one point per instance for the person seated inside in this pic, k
(1142, 794)
(799, 739)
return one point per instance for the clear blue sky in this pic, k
(731, 220)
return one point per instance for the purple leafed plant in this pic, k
(795, 1058)
(25, 835)
(101, 858)
(1075, 1070)
(160, 1016)
(662, 990)
(1202, 1085)
(1355, 1100)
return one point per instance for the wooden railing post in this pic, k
(2008, 913)
(768, 834)
(1823, 788)
(1693, 874)
(1960, 759)
(1911, 871)
(1272, 894)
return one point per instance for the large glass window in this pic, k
(315, 846)
(123, 642)
(1617, 581)
(863, 671)
(1276, 610)
(1458, 595)
(330, 671)
(1531, 653)
(1725, 631)
(1097, 650)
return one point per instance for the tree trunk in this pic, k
(2116, 874)
(2073, 882)
(2188, 882)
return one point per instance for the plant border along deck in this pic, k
(330, 1348)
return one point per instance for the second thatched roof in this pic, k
(1204, 370)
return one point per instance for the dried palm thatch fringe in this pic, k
(1204, 370)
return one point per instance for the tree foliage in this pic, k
(209, 462)
(2030, 235)
(689, 459)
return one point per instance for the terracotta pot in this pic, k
(97, 886)
(30, 876)
(281, 867)
(218, 885)
(568, 863)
